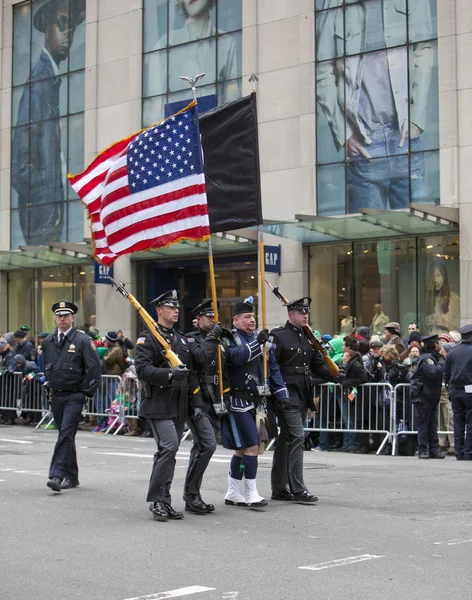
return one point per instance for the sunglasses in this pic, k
(65, 24)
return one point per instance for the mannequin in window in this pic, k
(379, 320)
(443, 305)
(347, 322)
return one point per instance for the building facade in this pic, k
(364, 137)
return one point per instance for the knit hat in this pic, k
(455, 336)
(19, 359)
(364, 332)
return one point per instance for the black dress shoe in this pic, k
(159, 511)
(210, 507)
(68, 484)
(55, 484)
(282, 495)
(437, 455)
(304, 498)
(194, 504)
(423, 455)
(173, 514)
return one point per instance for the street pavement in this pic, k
(384, 527)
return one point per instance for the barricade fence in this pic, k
(372, 412)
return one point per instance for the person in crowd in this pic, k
(30, 395)
(7, 366)
(414, 352)
(379, 320)
(412, 327)
(299, 363)
(458, 377)
(22, 345)
(362, 333)
(72, 370)
(125, 343)
(39, 350)
(425, 393)
(170, 395)
(351, 375)
(248, 389)
(392, 336)
(446, 416)
(374, 363)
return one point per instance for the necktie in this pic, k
(61, 340)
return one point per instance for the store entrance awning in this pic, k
(417, 219)
(54, 254)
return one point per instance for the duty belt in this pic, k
(299, 370)
(212, 379)
(243, 396)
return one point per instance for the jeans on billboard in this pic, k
(386, 181)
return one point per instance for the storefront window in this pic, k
(183, 37)
(377, 104)
(47, 121)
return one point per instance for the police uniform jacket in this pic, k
(75, 367)
(429, 372)
(168, 399)
(458, 368)
(245, 364)
(203, 348)
(299, 363)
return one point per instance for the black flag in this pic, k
(231, 158)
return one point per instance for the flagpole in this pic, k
(192, 82)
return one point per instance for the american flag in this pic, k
(147, 191)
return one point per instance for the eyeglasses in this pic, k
(64, 23)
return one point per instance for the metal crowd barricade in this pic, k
(129, 396)
(371, 411)
(405, 423)
(10, 392)
(106, 402)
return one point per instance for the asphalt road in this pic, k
(383, 528)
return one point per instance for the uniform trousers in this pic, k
(204, 446)
(66, 410)
(462, 409)
(167, 434)
(427, 426)
(287, 465)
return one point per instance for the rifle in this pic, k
(332, 367)
(167, 351)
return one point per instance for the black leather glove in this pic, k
(179, 373)
(216, 329)
(197, 414)
(263, 336)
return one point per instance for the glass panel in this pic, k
(330, 123)
(325, 4)
(155, 73)
(76, 92)
(20, 294)
(21, 105)
(422, 20)
(77, 42)
(329, 35)
(438, 281)
(382, 183)
(230, 17)
(424, 96)
(383, 281)
(155, 25)
(87, 301)
(330, 274)
(183, 29)
(229, 62)
(21, 45)
(425, 177)
(331, 190)
(76, 149)
(197, 57)
(16, 233)
(227, 91)
(75, 222)
(48, 98)
(20, 166)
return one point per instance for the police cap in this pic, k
(64, 308)
(205, 309)
(170, 298)
(301, 305)
(429, 340)
(466, 330)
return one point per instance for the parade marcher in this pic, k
(425, 392)
(239, 430)
(299, 362)
(458, 376)
(72, 370)
(170, 396)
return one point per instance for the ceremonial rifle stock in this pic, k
(150, 324)
(333, 368)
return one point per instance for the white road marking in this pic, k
(452, 542)
(28, 472)
(2, 480)
(15, 441)
(340, 562)
(230, 595)
(178, 457)
(187, 591)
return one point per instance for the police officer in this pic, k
(299, 361)
(458, 376)
(239, 431)
(425, 393)
(72, 371)
(171, 395)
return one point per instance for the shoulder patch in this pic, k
(430, 361)
(141, 340)
(190, 339)
(93, 345)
